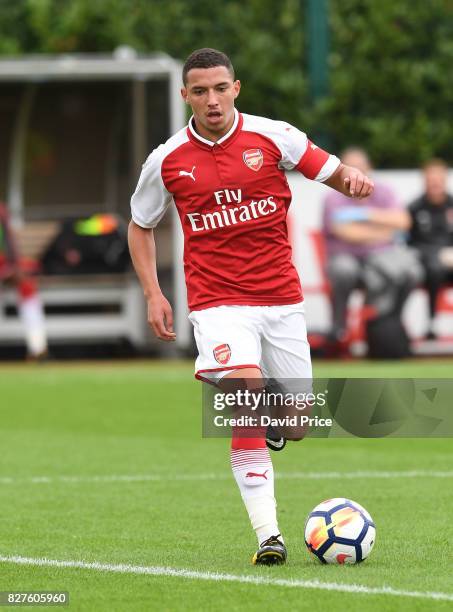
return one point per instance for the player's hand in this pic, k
(357, 184)
(160, 318)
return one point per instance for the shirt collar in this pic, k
(205, 141)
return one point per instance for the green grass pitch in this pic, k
(105, 463)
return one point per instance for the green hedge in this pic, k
(390, 61)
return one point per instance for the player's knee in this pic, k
(242, 379)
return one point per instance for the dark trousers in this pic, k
(387, 277)
(436, 275)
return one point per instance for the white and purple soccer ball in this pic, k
(340, 531)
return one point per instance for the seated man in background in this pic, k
(431, 232)
(30, 307)
(363, 250)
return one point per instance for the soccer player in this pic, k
(225, 172)
(30, 306)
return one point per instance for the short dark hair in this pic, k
(435, 162)
(206, 58)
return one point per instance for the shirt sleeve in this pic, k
(150, 199)
(299, 153)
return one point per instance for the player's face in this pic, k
(211, 93)
(436, 184)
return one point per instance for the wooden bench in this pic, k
(86, 308)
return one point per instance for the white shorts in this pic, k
(272, 338)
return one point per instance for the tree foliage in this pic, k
(390, 62)
(391, 79)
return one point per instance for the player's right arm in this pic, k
(148, 206)
(143, 253)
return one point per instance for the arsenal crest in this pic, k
(253, 158)
(222, 353)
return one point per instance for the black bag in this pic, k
(97, 245)
(387, 338)
(385, 333)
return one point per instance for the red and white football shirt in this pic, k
(232, 197)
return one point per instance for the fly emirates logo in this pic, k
(231, 211)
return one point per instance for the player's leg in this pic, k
(286, 364)
(286, 360)
(435, 276)
(254, 473)
(32, 315)
(229, 346)
(30, 309)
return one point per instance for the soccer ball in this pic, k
(340, 531)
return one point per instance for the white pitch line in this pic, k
(212, 576)
(8, 480)
(368, 474)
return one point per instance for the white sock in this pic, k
(254, 474)
(32, 315)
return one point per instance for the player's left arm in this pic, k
(316, 164)
(350, 182)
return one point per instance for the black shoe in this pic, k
(274, 440)
(271, 552)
